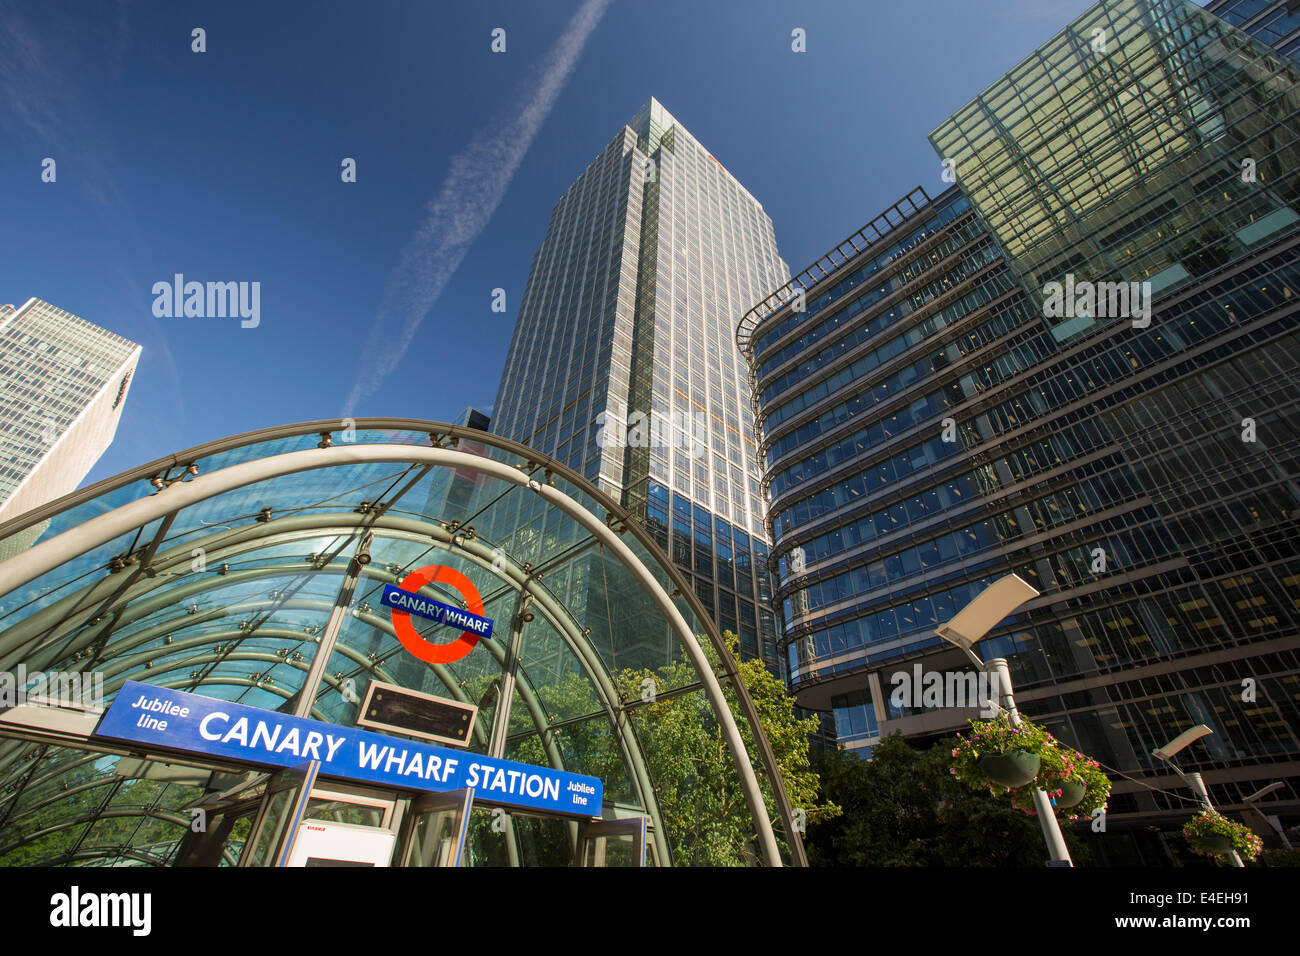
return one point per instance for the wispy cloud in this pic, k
(23, 75)
(474, 187)
(45, 97)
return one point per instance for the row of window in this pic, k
(949, 209)
(978, 260)
(1016, 358)
(1063, 445)
(1255, 292)
(968, 232)
(989, 288)
(1125, 548)
(1103, 490)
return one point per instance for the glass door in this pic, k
(286, 799)
(435, 832)
(217, 834)
(612, 842)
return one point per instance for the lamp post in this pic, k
(1274, 823)
(972, 624)
(1193, 780)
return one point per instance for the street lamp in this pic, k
(971, 625)
(1193, 780)
(1274, 823)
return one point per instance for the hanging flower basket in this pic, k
(1012, 769)
(1210, 833)
(1214, 843)
(1072, 793)
(1000, 758)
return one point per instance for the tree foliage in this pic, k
(697, 784)
(701, 802)
(903, 807)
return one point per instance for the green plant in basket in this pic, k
(1074, 781)
(1210, 833)
(999, 757)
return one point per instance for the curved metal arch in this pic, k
(56, 795)
(42, 557)
(605, 693)
(107, 814)
(55, 771)
(396, 526)
(150, 633)
(439, 432)
(79, 606)
(134, 610)
(126, 852)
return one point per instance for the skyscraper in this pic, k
(62, 385)
(623, 364)
(931, 421)
(1275, 22)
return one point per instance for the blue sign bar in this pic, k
(400, 600)
(173, 719)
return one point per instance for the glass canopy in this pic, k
(233, 593)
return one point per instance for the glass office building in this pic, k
(623, 365)
(928, 426)
(246, 578)
(63, 382)
(1275, 22)
(1147, 142)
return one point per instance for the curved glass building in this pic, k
(322, 645)
(931, 422)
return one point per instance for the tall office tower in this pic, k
(939, 416)
(1275, 22)
(623, 364)
(456, 491)
(62, 385)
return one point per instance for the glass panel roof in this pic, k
(231, 597)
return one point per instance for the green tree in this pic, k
(903, 808)
(703, 808)
(700, 798)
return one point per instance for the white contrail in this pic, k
(474, 187)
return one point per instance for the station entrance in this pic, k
(251, 816)
(292, 819)
(488, 659)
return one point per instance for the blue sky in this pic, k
(225, 166)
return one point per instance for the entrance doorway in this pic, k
(200, 811)
(293, 818)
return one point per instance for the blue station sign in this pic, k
(176, 720)
(402, 600)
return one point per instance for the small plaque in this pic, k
(397, 709)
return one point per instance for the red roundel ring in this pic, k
(410, 637)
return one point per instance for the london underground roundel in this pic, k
(405, 601)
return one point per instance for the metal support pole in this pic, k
(325, 649)
(1276, 823)
(509, 670)
(1056, 847)
(505, 702)
(1198, 787)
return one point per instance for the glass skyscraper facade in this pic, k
(623, 364)
(1147, 142)
(928, 427)
(62, 385)
(1275, 22)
